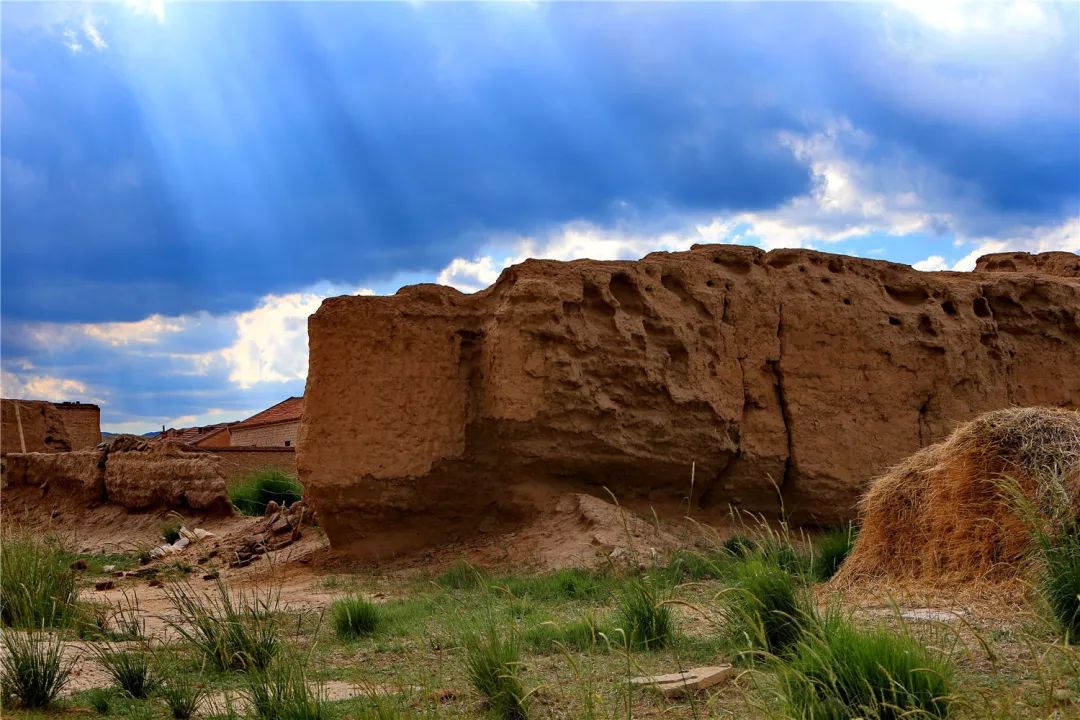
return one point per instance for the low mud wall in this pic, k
(237, 462)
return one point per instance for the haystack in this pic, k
(964, 508)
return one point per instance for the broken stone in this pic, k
(211, 576)
(201, 534)
(104, 585)
(118, 574)
(271, 508)
(180, 544)
(686, 682)
(108, 569)
(154, 583)
(78, 565)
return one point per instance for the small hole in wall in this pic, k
(948, 307)
(847, 301)
(288, 443)
(895, 321)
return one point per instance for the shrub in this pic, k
(493, 664)
(37, 583)
(182, 696)
(461, 576)
(354, 617)
(1059, 579)
(644, 616)
(33, 671)
(251, 494)
(840, 671)
(282, 692)
(830, 551)
(764, 611)
(131, 671)
(232, 633)
(170, 532)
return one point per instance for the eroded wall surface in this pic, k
(791, 374)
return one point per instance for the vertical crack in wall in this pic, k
(781, 399)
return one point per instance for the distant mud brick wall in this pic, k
(141, 480)
(275, 435)
(83, 423)
(42, 427)
(236, 462)
(791, 375)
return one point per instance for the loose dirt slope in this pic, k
(430, 411)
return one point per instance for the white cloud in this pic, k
(71, 40)
(932, 263)
(152, 8)
(43, 387)
(90, 30)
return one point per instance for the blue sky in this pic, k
(182, 184)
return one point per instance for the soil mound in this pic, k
(950, 512)
(796, 370)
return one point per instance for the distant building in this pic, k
(205, 436)
(276, 426)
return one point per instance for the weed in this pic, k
(100, 700)
(686, 566)
(839, 671)
(132, 672)
(232, 633)
(37, 583)
(282, 692)
(33, 671)
(562, 585)
(1059, 578)
(738, 546)
(830, 551)
(251, 494)
(644, 615)
(764, 611)
(461, 576)
(354, 617)
(182, 695)
(584, 634)
(493, 664)
(170, 532)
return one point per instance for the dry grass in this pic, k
(942, 515)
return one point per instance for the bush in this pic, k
(259, 487)
(282, 692)
(765, 610)
(354, 617)
(232, 633)
(830, 551)
(32, 671)
(461, 576)
(493, 664)
(644, 616)
(37, 583)
(132, 672)
(1059, 579)
(838, 671)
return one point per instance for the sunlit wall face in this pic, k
(222, 166)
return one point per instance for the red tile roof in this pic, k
(285, 411)
(191, 435)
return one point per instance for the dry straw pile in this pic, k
(953, 512)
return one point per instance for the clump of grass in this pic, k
(688, 566)
(354, 617)
(738, 546)
(282, 692)
(583, 634)
(170, 532)
(100, 700)
(1059, 578)
(461, 576)
(840, 671)
(251, 494)
(645, 616)
(566, 584)
(33, 671)
(132, 672)
(764, 612)
(182, 695)
(493, 664)
(232, 633)
(37, 583)
(830, 551)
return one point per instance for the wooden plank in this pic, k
(687, 681)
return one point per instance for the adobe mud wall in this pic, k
(83, 422)
(792, 371)
(236, 462)
(271, 435)
(34, 423)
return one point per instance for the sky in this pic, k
(182, 184)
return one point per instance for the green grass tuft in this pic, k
(37, 583)
(33, 671)
(282, 692)
(839, 671)
(830, 551)
(1059, 579)
(765, 611)
(493, 664)
(170, 532)
(584, 634)
(568, 584)
(251, 494)
(644, 616)
(132, 672)
(182, 693)
(461, 576)
(354, 617)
